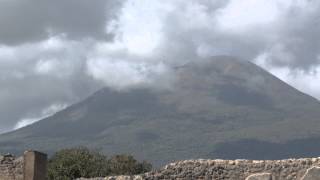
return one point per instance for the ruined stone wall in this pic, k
(11, 168)
(31, 166)
(290, 169)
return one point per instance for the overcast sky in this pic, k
(55, 53)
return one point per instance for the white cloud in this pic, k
(49, 111)
(55, 43)
(305, 81)
(122, 74)
(46, 66)
(139, 27)
(6, 53)
(241, 14)
(24, 122)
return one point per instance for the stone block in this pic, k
(35, 165)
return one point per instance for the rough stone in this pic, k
(31, 166)
(260, 176)
(290, 169)
(11, 168)
(136, 177)
(312, 174)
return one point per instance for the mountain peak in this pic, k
(213, 103)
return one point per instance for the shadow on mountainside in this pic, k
(255, 149)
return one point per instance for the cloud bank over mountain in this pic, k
(58, 52)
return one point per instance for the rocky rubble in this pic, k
(260, 176)
(11, 167)
(290, 169)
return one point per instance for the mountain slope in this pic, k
(212, 107)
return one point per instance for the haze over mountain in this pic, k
(218, 107)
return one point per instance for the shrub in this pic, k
(81, 162)
(127, 165)
(77, 162)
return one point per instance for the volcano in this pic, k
(216, 108)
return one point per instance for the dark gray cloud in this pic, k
(276, 34)
(33, 20)
(57, 52)
(290, 39)
(43, 47)
(297, 36)
(36, 77)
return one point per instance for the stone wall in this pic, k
(11, 168)
(31, 166)
(290, 169)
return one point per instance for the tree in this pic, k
(81, 162)
(77, 162)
